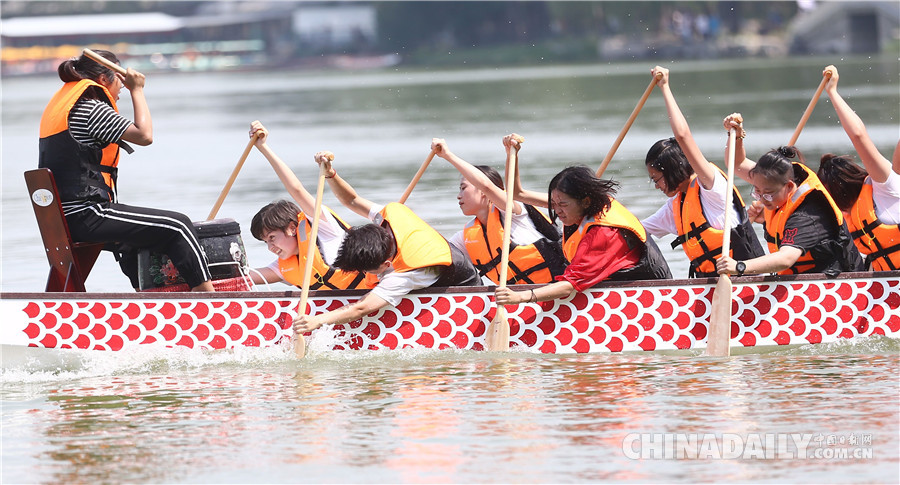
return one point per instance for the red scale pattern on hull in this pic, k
(597, 320)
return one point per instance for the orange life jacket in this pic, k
(879, 242)
(701, 242)
(323, 276)
(80, 171)
(538, 262)
(775, 220)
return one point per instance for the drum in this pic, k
(224, 248)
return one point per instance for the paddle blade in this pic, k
(496, 337)
(299, 346)
(718, 342)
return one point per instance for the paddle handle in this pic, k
(628, 123)
(299, 341)
(497, 332)
(415, 179)
(507, 216)
(809, 109)
(106, 62)
(729, 192)
(231, 179)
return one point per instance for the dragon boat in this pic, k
(613, 317)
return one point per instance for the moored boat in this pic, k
(615, 317)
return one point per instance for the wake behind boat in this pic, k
(614, 317)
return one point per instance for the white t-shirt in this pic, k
(887, 199)
(662, 223)
(393, 286)
(331, 236)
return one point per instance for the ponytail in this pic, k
(776, 165)
(83, 67)
(842, 178)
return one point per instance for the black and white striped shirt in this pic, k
(95, 124)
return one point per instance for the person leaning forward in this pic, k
(804, 228)
(285, 226)
(399, 247)
(602, 240)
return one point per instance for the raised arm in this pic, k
(896, 162)
(341, 189)
(876, 164)
(291, 183)
(705, 170)
(530, 197)
(141, 130)
(742, 164)
(475, 176)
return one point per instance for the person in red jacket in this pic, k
(602, 240)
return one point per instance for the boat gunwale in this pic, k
(295, 293)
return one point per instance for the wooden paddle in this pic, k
(234, 174)
(637, 109)
(415, 179)
(809, 109)
(718, 342)
(299, 341)
(496, 337)
(106, 62)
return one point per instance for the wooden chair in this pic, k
(70, 262)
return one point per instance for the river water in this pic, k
(419, 416)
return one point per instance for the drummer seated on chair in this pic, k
(401, 249)
(81, 133)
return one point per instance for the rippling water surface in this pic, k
(256, 415)
(424, 416)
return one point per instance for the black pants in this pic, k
(133, 228)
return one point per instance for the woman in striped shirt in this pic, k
(80, 139)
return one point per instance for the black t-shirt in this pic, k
(811, 223)
(813, 228)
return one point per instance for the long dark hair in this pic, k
(776, 165)
(667, 156)
(579, 183)
(83, 67)
(843, 179)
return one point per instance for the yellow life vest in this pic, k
(80, 172)
(775, 220)
(616, 216)
(418, 244)
(527, 263)
(879, 242)
(323, 276)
